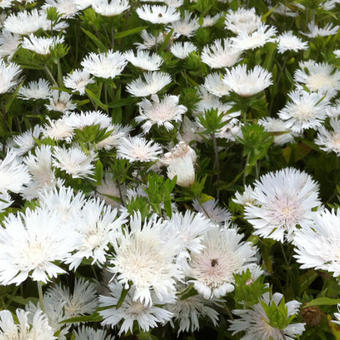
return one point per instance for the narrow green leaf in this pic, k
(99, 44)
(323, 301)
(126, 33)
(92, 96)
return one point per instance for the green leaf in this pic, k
(92, 96)
(99, 44)
(95, 317)
(323, 301)
(126, 33)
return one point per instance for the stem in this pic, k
(120, 194)
(41, 296)
(217, 164)
(229, 312)
(284, 254)
(245, 169)
(48, 71)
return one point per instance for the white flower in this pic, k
(25, 141)
(146, 316)
(96, 229)
(117, 132)
(78, 80)
(144, 60)
(222, 53)
(13, 173)
(31, 243)
(258, 38)
(41, 45)
(180, 162)
(318, 77)
(223, 255)
(189, 131)
(282, 200)
(154, 82)
(74, 161)
(255, 323)
(5, 201)
(337, 315)
(66, 8)
(318, 246)
(40, 89)
(146, 258)
(282, 134)
(173, 3)
(186, 26)
(59, 129)
(329, 140)
(104, 65)
(38, 329)
(88, 118)
(158, 14)
(209, 21)
(242, 20)
(247, 83)
(214, 84)
(306, 110)
(290, 42)
(315, 30)
(6, 4)
(9, 44)
(88, 333)
(182, 50)
(60, 101)
(9, 73)
(112, 8)
(212, 210)
(138, 149)
(160, 112)
(149, 40)
(108, 189)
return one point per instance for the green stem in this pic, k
(41, 296)
(49, 73)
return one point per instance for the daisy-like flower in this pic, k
(173, 3)
(144, 60)
(5, 201)
(329, 140)
(25, 141)
(246, 197)
(59, 129)
(9, 44)
(258, 38)
(158, 14)
(138, 149)
(31, 243)
(110, 8)
(40, 89)
(256, 325)
(6, 4)
(60, 101)
(242, 20)
(78, 80)
(97, 228)
(209, 21)
(154, 82)
(318, 77)
(189, 131)
(222, 53)
(223, 255)
(117, 132)
(182, 50)
(146, 316)
(146, 258)
(315, 30)
(41, 45)
(318, 247)
(215, 85)
(9, 73)
(13, 174)
(186, 26)
(337, 316)
(74, 161)
(160, 112)
(287, 41)
(66, 8)
(212, 210)
(180, 162)
(247, 83)
(104, 65)
(88, 333)
(88, 118)
(108, 189)
(306, 110)
(37, 329)
(149, 40)
(282, 200)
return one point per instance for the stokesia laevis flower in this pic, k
(242, 20)
(88, 333)
(78, 80)
(182, 50)
(144, 60)
(282, 201)
(158, 14)
(329, 140)
(40, 89)
(61, 102)
(9, 44)
(213, 210)
(287, 41)
(9, 73)
(41, 45)
(110, 9)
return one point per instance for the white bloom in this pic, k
(96, 229)
(329, 140)
(78, 80)
(5, 201)
(38, 329)
(144, 60)
(154, 82)
(186, 26)
(315, 30)
(180, 162)
(290, 42)
(88, 118)
(60, 101)
(138, 149)
(9, 44)
(242, 20)
(88, 333)
(31, 243)
(146, 258)
(336, 52)
(212, 210)
(189, 131)
(146, 316)
(173, 3)
(66, 8)
(282, 134)
(158, 14)
(40, 89)
(109, 189)
(214, 84)
(112, 8)
(337, 315)
(182, 50)
(13, 173)
(255, 323)
(160, 112)
(209, 21)
(59, 129)
(222, 53)
(6, 4)
(41, 45)
(224, 254)
(9, 73)
(282, 200)
(304, 111)
(25, 141)
(74, 161)
(149, 40)
(104, 65)
(117, 132)
(247, 83)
